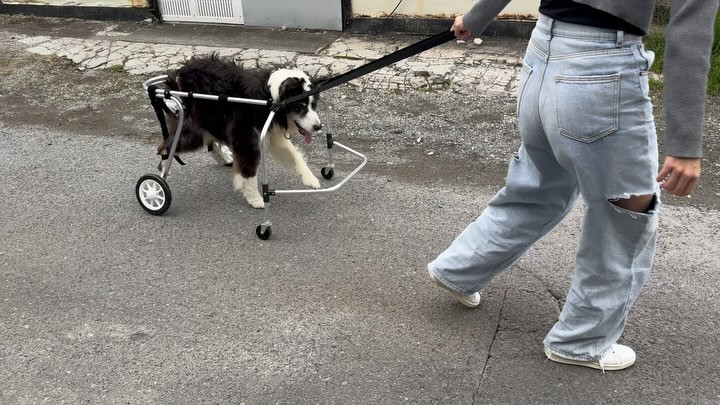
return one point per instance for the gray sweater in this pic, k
(688, 43)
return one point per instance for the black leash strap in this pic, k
(159, 106)
(377, 64)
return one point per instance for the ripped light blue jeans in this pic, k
(587, 129)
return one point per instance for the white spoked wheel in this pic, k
(153, 194)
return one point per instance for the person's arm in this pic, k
(475, 21)
(689, 38)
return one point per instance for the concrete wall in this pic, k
(312, 14)
(89, 3)
(436, 8)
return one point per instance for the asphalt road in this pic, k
(103, 303)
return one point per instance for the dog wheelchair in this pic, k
(152, 190)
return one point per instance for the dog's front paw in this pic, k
(311, 181)
(256, 201)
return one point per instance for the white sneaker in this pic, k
(469, 300)
(617, 357)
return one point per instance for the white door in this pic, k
(207, 11)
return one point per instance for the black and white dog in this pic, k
(239, 125)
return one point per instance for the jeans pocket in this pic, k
(587, 106)
(524, 77)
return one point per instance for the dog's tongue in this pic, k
(308, 136)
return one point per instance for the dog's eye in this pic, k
(298, 108)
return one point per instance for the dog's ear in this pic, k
(281, 120)
(290, 87)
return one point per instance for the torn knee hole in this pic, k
(641, 204)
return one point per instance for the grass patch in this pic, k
(55, 60)
(714, 79)
(117, 68)
(655, 41)
(656, 86)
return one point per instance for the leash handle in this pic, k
(389, 59)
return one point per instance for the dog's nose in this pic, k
(317, 127)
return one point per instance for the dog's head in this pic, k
(301, 116)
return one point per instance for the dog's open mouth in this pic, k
(303, 132)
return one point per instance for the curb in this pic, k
(358, 25)
(426, 26)
(82, 12)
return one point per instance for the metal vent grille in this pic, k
(215, 8)
(213, 11)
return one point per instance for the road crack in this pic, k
(559, 298)
(492, 342)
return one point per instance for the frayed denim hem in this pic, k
(444, 281)
(575, 356)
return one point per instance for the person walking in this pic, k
(586, 127)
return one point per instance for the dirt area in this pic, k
(425, 137)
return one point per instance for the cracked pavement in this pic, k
(455, 66)
(102, 303)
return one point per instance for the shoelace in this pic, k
(600, 361)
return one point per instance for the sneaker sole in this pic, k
(455, 295)
(554, 357)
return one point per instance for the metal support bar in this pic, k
(160, 93)
(263, 165)
(173, 148)
(331, 154)
(337, 186)
(263, 150)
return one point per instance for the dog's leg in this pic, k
(171, 122)
(249, 188)
(245, 180)
(191, 137)
(220, 152)
(285, 152)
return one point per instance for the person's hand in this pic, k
(459, 28)
(679, 175)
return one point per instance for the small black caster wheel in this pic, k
(263, 235)
(153, 194)
(327, 172)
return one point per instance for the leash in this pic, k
(372, 66)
